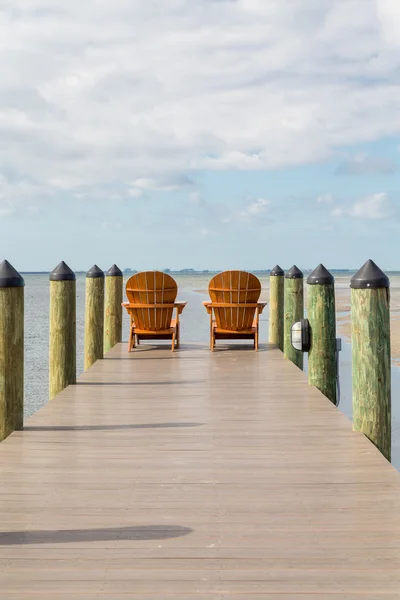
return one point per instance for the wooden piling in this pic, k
(294, 311)
(11, 350)
(370, 335)
(276, 306)
(94, 316)
(322, 319)
(62, 353)
(113, 308)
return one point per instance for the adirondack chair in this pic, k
(151, 305)
(234, 308)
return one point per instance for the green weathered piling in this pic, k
(94, 316)
(276, 306)
(322, 319)
(370, 335)
(113, 308)
(294, 311)
(11, 350)
(62, 351)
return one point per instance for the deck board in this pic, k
(196, 475)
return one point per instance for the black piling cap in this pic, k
(320, 276)
(9, 277)
(370, 276)
(62, 272)
(114, 271)
(94, 272)
(277, 272)
(294, 273)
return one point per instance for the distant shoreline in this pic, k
(206, 272)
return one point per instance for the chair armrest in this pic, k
(261, 306)
(148, 305)
(180, 306)
(233, 304)
(208, 306)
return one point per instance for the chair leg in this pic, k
(130, 342)
(178, 336)
(212, 345)
(173, 341)
(256, 341)
(137, 340)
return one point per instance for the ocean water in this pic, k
(194, 328)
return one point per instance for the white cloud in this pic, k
(163, 184)
(373, 207)
(6, 211)
(133, 91)
(338, 212)
(195, 198)
(389, 18)
(135, 193)
(255, 208)
(252, 211)
(232, 160)
(325, 199)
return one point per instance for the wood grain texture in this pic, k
(11, 360)
(113, 311)
(152, 296)
(62, 347)
(370, 335)
(294, 311)
(321, 357)
(152, 288)
(196, 475)
(235, 287)
(234, 308)
(276, 310)
(94, 321)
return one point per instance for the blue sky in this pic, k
(201, 133)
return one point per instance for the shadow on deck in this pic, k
(274, 494)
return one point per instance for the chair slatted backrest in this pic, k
(152, 287)
(235, 287)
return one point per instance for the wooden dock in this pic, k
(196, 475)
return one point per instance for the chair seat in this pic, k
(235, 332)
(156, 331)
(249, 331)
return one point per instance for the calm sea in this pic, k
(195, 328)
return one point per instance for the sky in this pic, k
(200, 133)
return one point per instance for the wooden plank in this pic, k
(157, 476)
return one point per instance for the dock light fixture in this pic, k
(300, 335)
